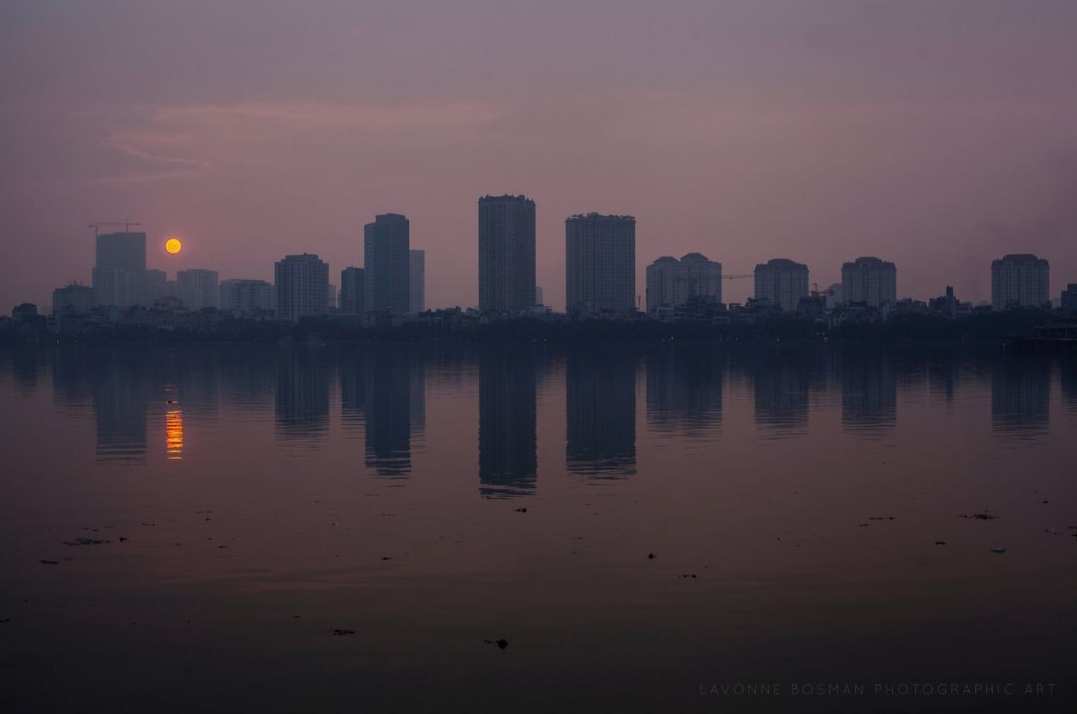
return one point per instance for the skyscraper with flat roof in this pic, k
(246, 297)
(600, 263)
(1020, 280)
(122, 251)
(506, 254)
(198, 288)
(672, 283)
(120, 267)
(870, 281)
(781, 281)
(352, 291)
(302, 284)
(386, 256)
(417, 281)
(74, 299)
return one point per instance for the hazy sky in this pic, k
(937, 134)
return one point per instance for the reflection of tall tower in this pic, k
(249, 377)
(1069, 380)
(121, 387)
(868, 390)
(684, 389)
(508, 457)
(388, 376)
(302, 394)
(943, 373)
(1021, 393)
(601, 414)
(352, 389)
(781, 380)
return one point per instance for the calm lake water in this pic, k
(185, 528)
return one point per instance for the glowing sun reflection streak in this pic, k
(174, 435)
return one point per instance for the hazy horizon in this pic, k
(937, 136)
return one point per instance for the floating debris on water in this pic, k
(86, 541)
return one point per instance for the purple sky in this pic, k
(939, 135)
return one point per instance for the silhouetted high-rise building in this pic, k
(198, 288)
(1069, 298)
(600, 262)
(120, 267)
(870, 281)
(386, 250)
(506, 254)
(672, 283)
(352, 291)
(122, 251)
(246, 297)
(302, 283)
(1020, 280)
(783, 282)
(73, 299)
(417, 281)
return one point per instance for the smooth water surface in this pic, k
(186, 528)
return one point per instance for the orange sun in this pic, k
(173, 245)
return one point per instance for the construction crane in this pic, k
(101, 224)
(735, 277)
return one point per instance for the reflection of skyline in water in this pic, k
(352, 390)
(868, 390)
(395, 393)
(600, 391)
(26, 368)
(302, 404)
(120, 389)
(1068, 369)
(684, 388)
(1021, 393)
(508, 443)
(781, 380)
(382, 391)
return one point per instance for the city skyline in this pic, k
(592, 263)
(739, 131)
